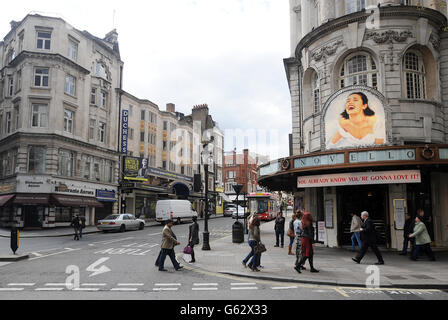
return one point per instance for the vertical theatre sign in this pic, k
(124, 131)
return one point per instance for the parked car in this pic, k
(240, 213)
(120, 222)
(175, 210)
(228, 212)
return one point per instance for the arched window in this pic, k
(414, 75)
(359, 69)
(316, 93)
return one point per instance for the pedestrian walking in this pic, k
(307, 243)
(279, 228)
(254, 239)
(76, 222)
(169, 241)
(408, 229)
(291, 233)
(82, 225)
(193, 237)
(368, 237)
(355, 229)
(422, 240)
(298, 233)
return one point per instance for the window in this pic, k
(231, 175)
(36, 159)
(96, 171)
(41, 77)
(415, 75)
(10, 86)
(142, 136)
(93, 96)
(72, 50)
(100, 70)
(359, 70)
(316, 93)
(131, 134)
(164, 145)
(11, 55)
(39, 117)
(108, 171)
(92, 125)
(165, 125)
(17, 113)
(102, 132)
(8, 122)
(354, 5)
(142, 115)
(70, 85)
(65, 165)
(103, 99)
(86, 161)
(131, 110)
(164, 164)
(68, 121)
(43, 40)
(19, 80)
(21, 42)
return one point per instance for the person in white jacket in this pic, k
(355, 228)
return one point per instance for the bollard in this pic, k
(238, 233)
(14, 239)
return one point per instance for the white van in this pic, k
(174, 210)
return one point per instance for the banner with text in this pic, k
(360, 178)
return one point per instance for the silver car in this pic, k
(120, 222)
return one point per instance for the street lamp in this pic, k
(206, 156)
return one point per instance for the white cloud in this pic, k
(227, 53)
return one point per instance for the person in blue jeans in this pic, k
(254, 239)
(355, 228)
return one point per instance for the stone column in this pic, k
(327, 10)
(295, 24)
(306, 17)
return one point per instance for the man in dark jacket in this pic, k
(76, 222)
(368, 236)
(408, 229)
(82, 225)
(193, 237)
(280, 230)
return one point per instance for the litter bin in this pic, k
(238, 233)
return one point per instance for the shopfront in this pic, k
(385, 181)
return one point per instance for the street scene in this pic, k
(212, 151)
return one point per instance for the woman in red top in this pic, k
(307, 241)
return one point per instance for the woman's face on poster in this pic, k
(354, 104)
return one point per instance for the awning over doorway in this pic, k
(32, 199)
(5, 199)
(70, 201)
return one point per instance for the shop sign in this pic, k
(270, 169)
(325, 160)
(382, 155)
(63, 188)
(105, 194)
(169, 175)
(7, 189)
(124, 131)
(360, 178)
(43, 184)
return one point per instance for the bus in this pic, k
(265, 205)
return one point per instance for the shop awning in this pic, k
(32, 199)
(69, 201)
(5, 199)
(224, 197)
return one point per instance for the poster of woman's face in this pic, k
(355, 118)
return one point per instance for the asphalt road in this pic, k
(120, 266)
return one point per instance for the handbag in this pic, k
(259, 248)
(188, 250)
(291, 233)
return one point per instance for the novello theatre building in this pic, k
(369, 117)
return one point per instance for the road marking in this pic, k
(283, 288)
(204, 284)
(342, 292)
(55, 284)
(54, 254)
(123, 289)
(109, 241)
(86, 289)
(11, 289)
(21, 284)
(167, 284)
(155, 234)
(165, 289)
(204, 289)
(244, 288)
(49, 289)
(243, 284)
(130, 284)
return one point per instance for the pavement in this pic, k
(335, 265)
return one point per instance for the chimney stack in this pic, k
(171, 107)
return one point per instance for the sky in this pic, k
(225, 53)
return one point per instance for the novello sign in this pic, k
(360, 178)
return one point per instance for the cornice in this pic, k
(437, 19)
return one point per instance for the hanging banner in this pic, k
(124, 131)
(360, 178)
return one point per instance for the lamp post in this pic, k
(205, 160)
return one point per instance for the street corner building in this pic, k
(58, 123)
(369, 116)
